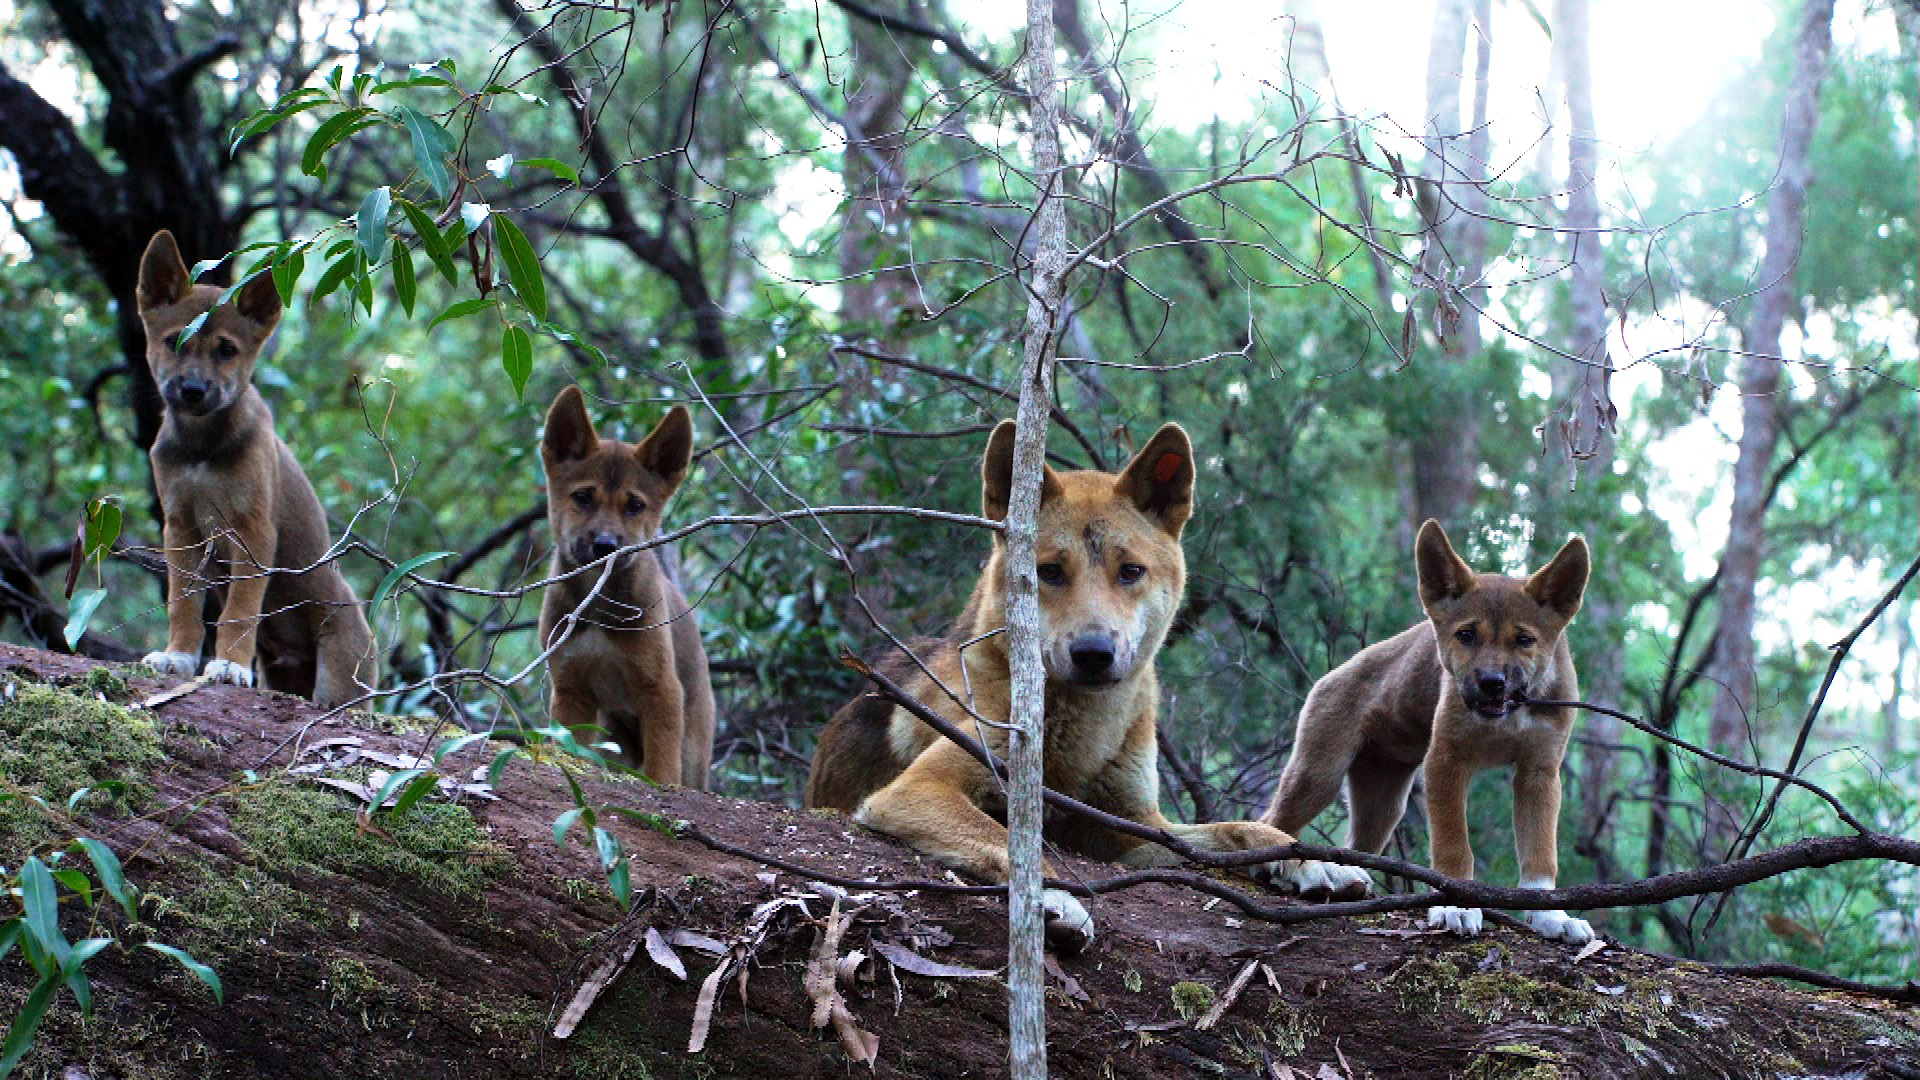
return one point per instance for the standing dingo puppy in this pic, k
(632, 666)
(1451, 692)
(240, 516)
(1111, 577)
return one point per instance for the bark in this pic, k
(1445, 445)
(1583, 442)
(167, 156)
(337, 969)
(1760, 383)
(1026, 978)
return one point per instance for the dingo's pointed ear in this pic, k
(668, 448)
(996, 475)
(1562, 583)
(1443, 574)
(1159, 479)
(259, 300)
(163, 274)
(569, 434)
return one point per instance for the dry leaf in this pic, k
(846, 971)
(1067, 982)
(1589, 949)
(694, 939)
(902, 957)
(1227, 999)
(358, 791)
(703, 1008)
(1389, 932)
(176, 693)
(590, 989)
(828, 1006)
(663, 954)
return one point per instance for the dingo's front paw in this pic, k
(1457, 919)
(1315, 881)
(229, 672)
(171, 663)
(1069, 927)
(1560, 926)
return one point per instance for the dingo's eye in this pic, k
(226, 350)
(1523, 639)
(1465, 635)
(635, 506)
(1052, 573)
(1131, 573)
(583, 499)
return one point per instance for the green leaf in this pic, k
(405, 287)
(431, 241)
(199, 970)
(286, 274)
(431, 144)
(554, 165)
(25, 1023)
(392, 785)
(620, 879)
(608, 847)
(76, 882)
(1533, 9)
(416, 791)
(370, 224)
(103, 527)
(499, 764)
(9, 936)
(564, 822)
(400, 571)
(193, 327)
(85, 603)
(454, 746)
(335, 274)
(516, 355)
(41, 897)
(337, 127)
(107, 865)
(523, 265)
(460, 309)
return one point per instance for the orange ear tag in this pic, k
(1168, 467)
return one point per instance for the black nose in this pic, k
(1491, 684)
(602, 544)
(191, 391)
(1092, 654)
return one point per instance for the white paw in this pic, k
(1069, 927)
(1560, 926)
(229, 672)
(171, 663)
(1457, 919)
(1315, 881)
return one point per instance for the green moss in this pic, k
(103, 681)
(350, 983)
(436, 845)
(1132, 981)
(611, 1044)
(222, 911)
(141, 1044)
(1423, 984)
(1514, 1061)
(1501, 995)
(1288, 1028)
(53, 743)
(1190, 999)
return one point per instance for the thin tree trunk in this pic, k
(1760, 384)
(1585, 441)
(1446, 446)
(1026, 975)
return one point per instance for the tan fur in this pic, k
(236, 503)
(633, 668)
(1112, 575)
(1374, 720)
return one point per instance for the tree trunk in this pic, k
(1760, 385)
(1584, 441)
(170, 161)
(1445, 444)
(876, 80)
(1026, 973)
(387, 952)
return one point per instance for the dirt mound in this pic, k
(452, 942)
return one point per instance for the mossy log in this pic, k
(449, 942)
